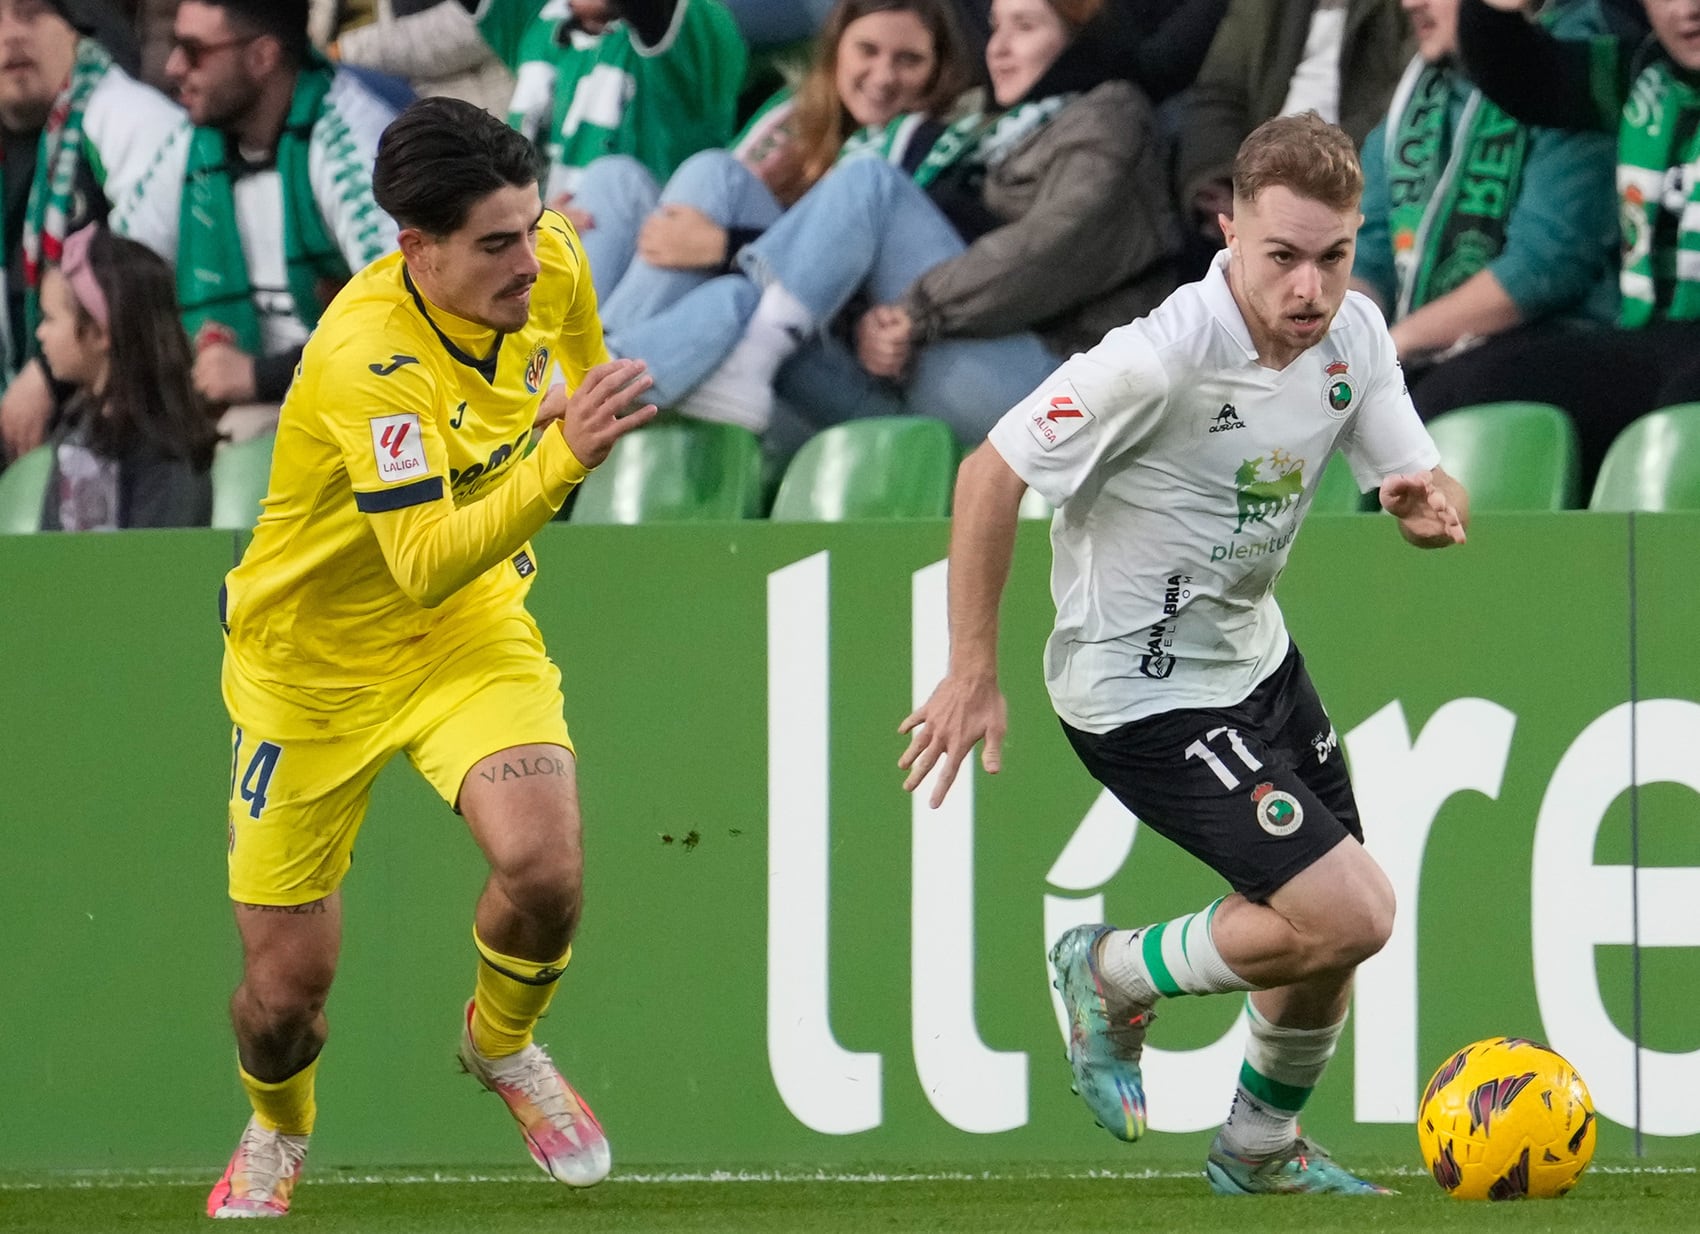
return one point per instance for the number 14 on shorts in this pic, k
(258, 776)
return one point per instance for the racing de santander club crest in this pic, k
(1340, 392)
(536, 369)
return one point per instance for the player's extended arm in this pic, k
(436, 548)
(1432, 508)
(967, 706)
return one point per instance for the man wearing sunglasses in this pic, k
(273, 209)
(77, 136)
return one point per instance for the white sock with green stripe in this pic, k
(1167, 959)
(1282, 1066)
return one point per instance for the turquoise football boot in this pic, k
(1105, 1035)
(1303, 1168)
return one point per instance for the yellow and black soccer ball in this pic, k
(1506, 1119)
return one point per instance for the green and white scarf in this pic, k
(1449, 210)
(1658, 181)
(978, 140)
(47, 216)
(212, 270)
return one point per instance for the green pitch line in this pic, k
(915, 1198)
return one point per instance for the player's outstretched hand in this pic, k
(961, 713)
(606, 406)
(1425, 513)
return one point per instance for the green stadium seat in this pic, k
(879, 468)
(241, 473)
(23, 487)
(1337, 492)
(672, 473)
(1511, 456)
(1654, 464)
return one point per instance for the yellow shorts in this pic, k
(303, 760)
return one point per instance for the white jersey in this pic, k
(1181, 470)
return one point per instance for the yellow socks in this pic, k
(511, 996)
(286, 1106)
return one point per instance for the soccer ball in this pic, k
(1506, 1118)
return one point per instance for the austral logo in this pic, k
(536, 368)
(1339, 392)
(1226, 420)
(397, 361)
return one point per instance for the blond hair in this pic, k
(1303, 153)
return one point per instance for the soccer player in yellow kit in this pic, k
(380, 609)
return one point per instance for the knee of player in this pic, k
(287, 1001)
(1365, 927)
(547, 890)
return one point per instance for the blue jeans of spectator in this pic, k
(676, 320)
(618, 193)
(867, 228)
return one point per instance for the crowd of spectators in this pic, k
(805, 211)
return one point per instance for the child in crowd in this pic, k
(134, 447)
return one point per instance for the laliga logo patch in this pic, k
(1278, 813)
(397, 448)
(536, 368)
(1338, 394)
(1057, 415)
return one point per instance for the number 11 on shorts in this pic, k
(1212, 760)
(259, 774)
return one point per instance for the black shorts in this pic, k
(1257, 791)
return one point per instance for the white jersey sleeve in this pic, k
(1097, 406)
(339, 165)
(1386, 437)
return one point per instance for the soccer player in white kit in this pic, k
(1182, 453)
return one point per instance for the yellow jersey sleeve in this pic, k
(580, 347)
(387, 429)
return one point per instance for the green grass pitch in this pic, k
(1617, 1199)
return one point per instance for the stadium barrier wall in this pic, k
(785, 959)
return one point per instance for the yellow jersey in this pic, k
(401, 499)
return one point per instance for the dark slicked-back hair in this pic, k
(442, 156)
(285, 20)
(1303, 153)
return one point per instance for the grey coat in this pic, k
(1087, 239)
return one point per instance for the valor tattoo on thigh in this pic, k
(520, 769)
